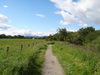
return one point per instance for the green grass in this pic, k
(27, 61)
(77, 61)
(95, 45)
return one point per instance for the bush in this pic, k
(95, 45)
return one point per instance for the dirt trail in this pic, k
(51, 64)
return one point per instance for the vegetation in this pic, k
(21, 61)
(83, 37)
(2, 36)
(78, 52)
(77, 60)
(95, 45)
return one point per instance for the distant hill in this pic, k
(36, 37)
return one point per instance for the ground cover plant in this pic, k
(77, 61)
(24, 56)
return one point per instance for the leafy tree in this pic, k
(62, 34)
(49, 38)
(92, 36)
(3, 36)
(82, 37)
(56, 37)
(85, 31)
(9, 36)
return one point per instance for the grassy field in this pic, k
(77, 61)
(24, 56)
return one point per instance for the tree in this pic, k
(9, 36)
(56, 37)
(3, 36)
(62, 34)
(83, 36)
(92, 36)
(85, 31)
(49, 38)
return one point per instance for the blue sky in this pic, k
(43, 17)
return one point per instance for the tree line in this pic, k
(81, 37)
(3, 36)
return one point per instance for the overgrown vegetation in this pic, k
(95, 45)
(26, 61)
(78, 52)
(84, 37)
(77, 60)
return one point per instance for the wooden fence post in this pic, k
(21, 47)
(7, 51)
(28, 45)
(33, 44)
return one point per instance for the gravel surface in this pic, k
(51, 64)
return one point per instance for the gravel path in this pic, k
(51, 64)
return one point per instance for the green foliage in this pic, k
(34, 66)
(85, 31)
(27, 61)
(95, 44)
(2, 36)
(62, 34)
(81, 37)
(83, 34)
(49, 38)
(51, 42)
(56, 37)
(77, 61)
(91, 36)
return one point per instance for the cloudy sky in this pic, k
(44, 17)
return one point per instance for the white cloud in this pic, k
(28, 33)
(64, 23)
(24, 32)
(40, 15)
(53, 29)
(10, 30)
(5, 6)
(71, 30)
(85, 10)
(68, 18)
(5, 27)
(3, 18)
(82, 24)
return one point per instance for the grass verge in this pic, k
(34, 66)
(76, 61)
(27, 61)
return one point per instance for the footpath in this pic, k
(51, 64)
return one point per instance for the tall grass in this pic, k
(27, 61)
(76, 61)
(95, 45)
